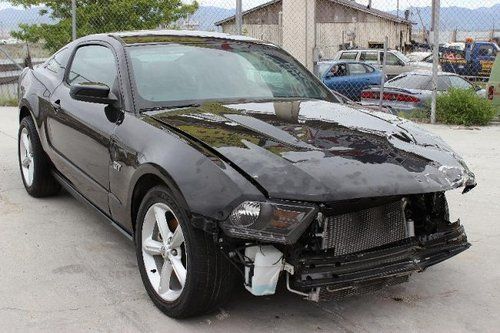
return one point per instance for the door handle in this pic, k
(57, 105)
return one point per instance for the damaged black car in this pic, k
(227, 162)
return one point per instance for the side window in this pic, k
(486, 50)
(392, 60)
(57, 64)
(356, 69)
(338, 70)
(369, 57)
(349, 56)
(458, 82)
(93, 63)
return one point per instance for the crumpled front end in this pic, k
(357, 246)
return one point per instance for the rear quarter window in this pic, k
(57, 64)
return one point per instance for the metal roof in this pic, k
(347, 3)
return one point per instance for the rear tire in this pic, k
(34, 164)
(207, 276)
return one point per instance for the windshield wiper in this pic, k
(160, 108)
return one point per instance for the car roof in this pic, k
(180, 33)
(429, 73)
(333, 62)
(367, 50)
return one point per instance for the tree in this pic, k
(98, 16)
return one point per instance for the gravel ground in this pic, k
(63, 269)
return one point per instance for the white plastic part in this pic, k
(262, 278)
(410, 228)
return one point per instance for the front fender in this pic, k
(205, 184)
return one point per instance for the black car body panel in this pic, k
(320, 152)
(324, 155)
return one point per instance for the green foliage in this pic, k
(421, 115)
(98, 16)
(463, 107)
(8, 101)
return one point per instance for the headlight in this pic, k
(271, 222)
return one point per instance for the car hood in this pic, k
(322, 151)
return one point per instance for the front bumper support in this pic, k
(382, 265)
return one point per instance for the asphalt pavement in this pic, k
(64, 269)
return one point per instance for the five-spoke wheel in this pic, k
(163, 251)
(182, 268)
(26, 156)
(34, 164)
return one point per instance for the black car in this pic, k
(224, 160)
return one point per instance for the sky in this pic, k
(380, 4)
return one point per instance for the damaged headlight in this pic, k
(270, 222)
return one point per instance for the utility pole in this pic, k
(436, 5)
(73, 19)
(239, 17)
(384, 64)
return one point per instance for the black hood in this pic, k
(321, 151)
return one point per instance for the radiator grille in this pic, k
(365, 229)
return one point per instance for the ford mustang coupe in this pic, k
(222, 157)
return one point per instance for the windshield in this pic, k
(323, 68)
(410, 82)
(218, 70)
(402, 56)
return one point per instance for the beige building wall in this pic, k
(267, 32)
(299, 30)
(307, 40)
(361, 34)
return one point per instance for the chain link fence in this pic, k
(341, 41)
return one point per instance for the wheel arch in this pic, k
(25, 111)
(147, 177)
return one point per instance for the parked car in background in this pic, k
(349, 78)
(493, 87)
(413, 91)
(420, 56)
(396, 64)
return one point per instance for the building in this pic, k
(322, 27)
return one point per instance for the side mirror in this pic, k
(92, 93)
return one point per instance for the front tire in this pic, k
(34, 164)
(182, 270)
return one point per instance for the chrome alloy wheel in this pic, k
(164, 252)
(26, 157)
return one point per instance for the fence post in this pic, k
(435, 57)
(384, 64)
(73, 19)
(239, 17)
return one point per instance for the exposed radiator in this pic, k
(364, 229)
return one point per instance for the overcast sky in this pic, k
(380, 4)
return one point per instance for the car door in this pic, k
(359, 79)
(79, 132)
(394, 65)
(370, 57)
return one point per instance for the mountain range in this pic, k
(451, 17)
(464, 19)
